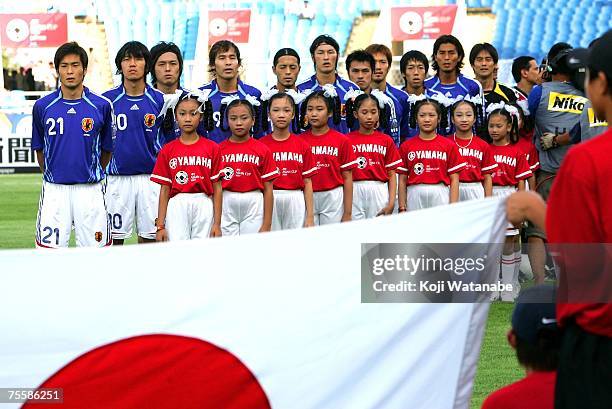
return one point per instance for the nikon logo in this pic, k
(594, 121)
(566, 103)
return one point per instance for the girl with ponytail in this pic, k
(374, 179)
(512, 170)
(248, 174)
(293, 196)
(333, 153)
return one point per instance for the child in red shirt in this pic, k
(374, 180)
(475, 180)
(188, 171)
(429, 174)
(293, 202)
(509, 177)
(248, 175)
(333, 152)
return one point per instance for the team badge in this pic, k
(173, 162)
(87, 124)
(362, 162)
(98, 236)
(181, 177)
(418, 168)
(411, 156)
(149, 120)
(227, 173)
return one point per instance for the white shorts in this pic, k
(63, 206)
(132, 198)
(426, 196)
(189, 216)
(242, 213)
(328, 206)
(369, 197)
(289, 209)
(504, 191)
(471, 191)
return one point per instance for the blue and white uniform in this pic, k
(342, 87)
(72, 135)
(215, 97)
(131, 195)
(398, 128)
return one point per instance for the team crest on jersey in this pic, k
(411, 156)
(227, 173)
(149, 120)
(362, 162)
(98, 236)
(181, 177)
(173, 162)
(87, 124)
(418, 168)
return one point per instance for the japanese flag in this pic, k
(263, 321)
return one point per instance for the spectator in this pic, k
(308, 11)
(536, 339)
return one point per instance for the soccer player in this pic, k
(324, 51)
(536, 338)
(398, 121)
(360, 65)
(223, 63)
(483, 59)
(286, 67)
(131, 196)
(72, 135)
(447, 59)
(166, 67)
(525, 73)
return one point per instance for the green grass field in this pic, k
(497, 365)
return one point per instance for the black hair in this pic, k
(478, 114)
(352, 106)
(265, 110)
(557, 58)
(360, 56)
(412, 55)
(527, 121)
(134, 49)
(161, 48)
(594, 72)
(448, 39)
(440, 109)
(544, 354)
(483, 47)
(285, 52)
(207, 115)
(333, 106)
(519, 64)
(221, 46)
(234, 103)
(514, 131)
(72, 48)
(324, 39)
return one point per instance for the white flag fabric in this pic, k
(287, 305)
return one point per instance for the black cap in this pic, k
(598, 55)
(535, 310)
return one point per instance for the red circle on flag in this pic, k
(157, 372)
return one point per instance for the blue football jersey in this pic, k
(464, 86)
(139, 136)
(72, 134)
(398, 122)
(215, 97)
(342, 87)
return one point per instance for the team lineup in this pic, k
(229, 159)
